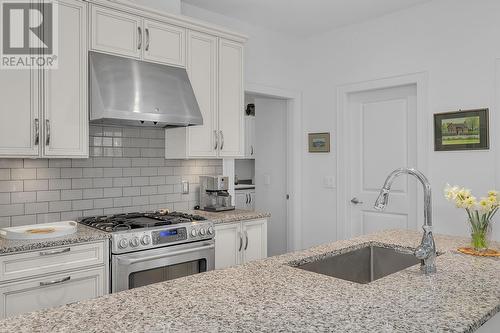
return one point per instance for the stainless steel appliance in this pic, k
(136, 93)
(214, 195)
(154, 247)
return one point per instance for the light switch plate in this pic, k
(267, 179)
(329, 182)
(185, 187)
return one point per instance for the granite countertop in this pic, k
(83, 234)
(271, 296)
(231, 215)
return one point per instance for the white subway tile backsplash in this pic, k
(12, 209)
(48, 195)
(59, 184)
(82, 204)
(93, 193)
(16, 174)
(36, 207)
(22, 197)
(59, 206)
(20, 220)
(71, 194)
(48, 173)
(131, 174)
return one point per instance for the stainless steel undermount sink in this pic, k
(363, 265)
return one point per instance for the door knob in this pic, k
(356, 201)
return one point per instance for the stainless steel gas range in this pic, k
(157, 246)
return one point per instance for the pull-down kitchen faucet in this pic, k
(426, 251)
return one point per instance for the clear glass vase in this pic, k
(480, 234)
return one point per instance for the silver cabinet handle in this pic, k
(356, 201)
(49, 253)
(222, 140)
(241, 242)
(48, 283)
(216, 140)
(251, 153)
(47, 132)
(147, 39)
(246, 242)
(37, 131)
(139, 41)
(250, 197)
(246, 195)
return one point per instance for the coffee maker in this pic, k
(213, 193)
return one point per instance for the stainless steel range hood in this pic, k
(137, 93)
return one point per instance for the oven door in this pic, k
(131, 270)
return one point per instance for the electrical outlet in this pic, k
(185, 187)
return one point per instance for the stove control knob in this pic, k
(202, 231)
(134, 242)
(210, 230)
(145, 240)
(193, 232)
(123, 243)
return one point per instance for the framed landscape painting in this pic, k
(319, 142)
(461, 130)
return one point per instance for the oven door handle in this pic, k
(131, 261)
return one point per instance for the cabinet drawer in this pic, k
(49, 291)
(46, 261)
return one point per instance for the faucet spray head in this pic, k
(382, 199)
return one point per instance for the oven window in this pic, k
(142, 278)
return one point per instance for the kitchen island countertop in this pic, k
(270, 295)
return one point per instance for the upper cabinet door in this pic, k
(117, 32)
(231, 123)
(19, 115)
(164, 43)
(202, 70)
(250, 137)
(66, 114)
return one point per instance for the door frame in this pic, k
(294, 157)
(344, 229)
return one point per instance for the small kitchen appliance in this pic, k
(214, 195)
(155, 246)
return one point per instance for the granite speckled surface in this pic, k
(231, 215)
(83, 234)
(271, 296)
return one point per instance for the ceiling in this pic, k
(303, 17)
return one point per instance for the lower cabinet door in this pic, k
(49, 291)
(254, 239)
(241, 199)
(228, 245)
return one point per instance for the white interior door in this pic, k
(383, 137)
(271, 169)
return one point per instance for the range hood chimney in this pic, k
(136, 93)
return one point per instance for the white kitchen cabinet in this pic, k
(199, 141)
(215, 68)
(231, 123)
(255, 234)
(245, 199)
(44, 112)
(228, 245)
(240, 242)
(50, 291)
(164, 43)
(65, 106)
(50, 277)
(20, 113)
(116, 32)
(133, 36)
(249, 136)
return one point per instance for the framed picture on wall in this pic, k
(461, 130)
(319, 142)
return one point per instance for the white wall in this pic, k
(456, 42)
